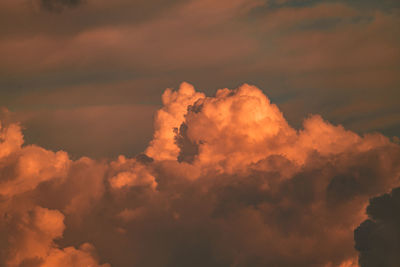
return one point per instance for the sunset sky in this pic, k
(86, 76)
(199, 133)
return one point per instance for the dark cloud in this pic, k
(59, 5)
(188, 149)
(378, 238)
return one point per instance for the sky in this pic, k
(79, 73)
(199, 133)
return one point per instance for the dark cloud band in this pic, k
(59, 5)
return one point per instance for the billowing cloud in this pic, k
(32, 233)
(226, 181)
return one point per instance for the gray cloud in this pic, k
(59, 5)
(378, 238)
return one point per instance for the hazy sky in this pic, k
(86, 76)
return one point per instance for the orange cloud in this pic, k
(32, 242)
(225, 181)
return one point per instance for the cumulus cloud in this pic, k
(226, 181)
(32, 233)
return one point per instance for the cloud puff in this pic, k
(171, 116)
(226, 181)
(31, 243)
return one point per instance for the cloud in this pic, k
(378, 238)
(225, 181)
(331, 54)
(171, 116)
(59, 5)
(32, 244)
(80, 130)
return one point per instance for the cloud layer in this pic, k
(337, 58)
(58, 5)
(226, 181)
